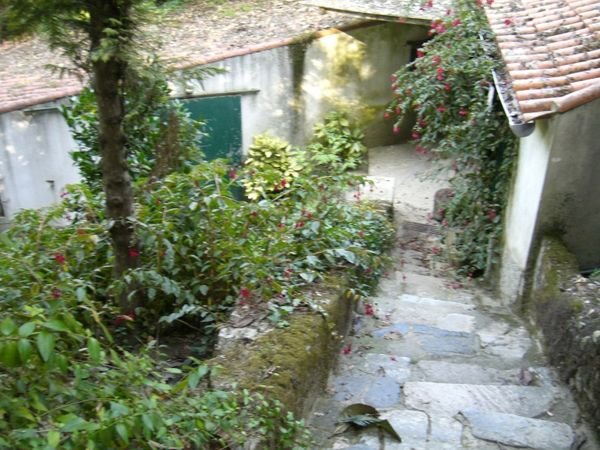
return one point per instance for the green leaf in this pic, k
(122, 432)
(56, 325)
(10, 354)
(45, 344)
(7, 326)
(25, 348)
(53, 438)
(94, 350)
(387, 426)
(147, 421)
(26, 329)
(74, 423)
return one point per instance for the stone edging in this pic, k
(571, 327)
(288, 364)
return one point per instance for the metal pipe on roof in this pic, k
(520, 128)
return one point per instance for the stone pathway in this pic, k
(447, 365)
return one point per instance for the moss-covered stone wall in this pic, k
(290, 364)
(570, 323)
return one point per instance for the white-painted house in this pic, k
(552, 55)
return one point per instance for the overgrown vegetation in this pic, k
(448, 87)
(79, 372)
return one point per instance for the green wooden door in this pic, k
(222, 117)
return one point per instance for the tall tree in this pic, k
(99, 37)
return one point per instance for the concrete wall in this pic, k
(555, 191)
(286, 90)
(34, 158)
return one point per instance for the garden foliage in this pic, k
(448, 89)
(69, 376)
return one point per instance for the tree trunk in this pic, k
(108, 77)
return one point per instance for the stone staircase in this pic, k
(447, 365)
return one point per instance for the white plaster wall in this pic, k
(522, 211)
(264, 80)
(351, 71)
(341, 70)
(34, 159)
(556, 192)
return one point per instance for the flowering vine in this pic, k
(447, 88)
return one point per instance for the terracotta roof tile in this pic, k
(551, 49)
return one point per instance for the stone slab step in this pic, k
(517, 431)
(451, 316)
(448, 399)
(418, 341)
(449, 372)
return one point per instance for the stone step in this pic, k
(407, 281)
(517, 431)
(463, 373)
(448, 399)
(409, 308)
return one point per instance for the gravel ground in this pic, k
(195, 30)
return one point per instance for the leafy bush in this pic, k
(273, 165)
(447, 86)
(64, 381)
(337, 144)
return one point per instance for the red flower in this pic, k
(232, 174)
(133, 252)
(386, 115)
(122, 318)
(245, 293)
(56, 293)
(396, 129)
(420, 53)
(347, 349)
(415, 135)
(508, 22)
(422, 123)
(299, 224)
(449, 12)
(398, 110)
(462, 112)
(489, 2)
(447, 87)
(60, 258)
(369, 311)
(441, 109)
(440, 77)
(436, 60)
(456, 22)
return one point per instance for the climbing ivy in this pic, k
(448, 88)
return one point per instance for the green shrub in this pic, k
(448, 87)
(337, 144)
(272, 165)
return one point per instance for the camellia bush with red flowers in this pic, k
(76, 371)
(448, 88)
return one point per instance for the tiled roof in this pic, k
(551, 49)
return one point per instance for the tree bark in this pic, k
(107, 79)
